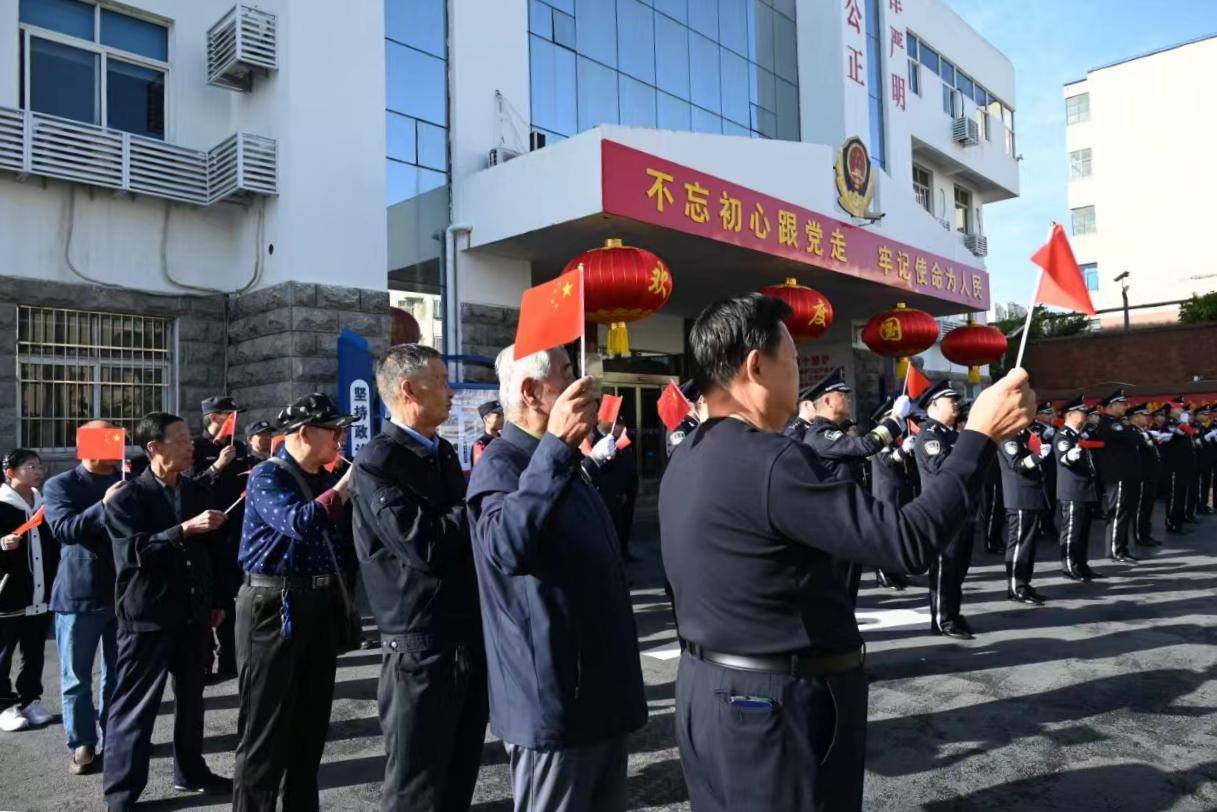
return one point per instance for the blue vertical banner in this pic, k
(357, 390)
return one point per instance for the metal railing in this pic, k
(38, 144)
(242, 42)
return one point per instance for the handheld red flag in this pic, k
(1062, 283)
(610, 407)
(624, 440)
(915, 383)
(100, 443)
(276, 441)
(233, 506)
(1090, 443)
(1033, 443)
(32, 522)
(551, 314)
(229, 427)
(673, 406)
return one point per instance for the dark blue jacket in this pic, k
(85, 582)
(561, 646)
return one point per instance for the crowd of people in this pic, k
(501, 596)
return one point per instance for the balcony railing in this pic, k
(37, 144)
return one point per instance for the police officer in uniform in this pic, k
(225, 461)
(991, 512)
(1206, 457)
(1076, 491)
(1192, 477)
(1119, 469)
(933, 448)
(892, 472)
(491, 413)
(1176, 462)
(771, 694)
(1045, 431)
(1023, 485)
(1150, 462)
(692, 393)
(797, 429)
(259, 436)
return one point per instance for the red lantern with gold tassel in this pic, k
(621, 284)
(974, 345)
(812, 314)
(900, 333)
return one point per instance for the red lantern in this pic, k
(621, 284)
(812, 314)
(900, 333)
(974, 345)
(403, 327)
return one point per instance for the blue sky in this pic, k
(1052, 42)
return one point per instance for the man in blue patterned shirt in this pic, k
(295, 545)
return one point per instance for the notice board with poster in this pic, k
(464, 426)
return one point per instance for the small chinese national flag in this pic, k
(30, 523)
(1090, 443)
(1062, 283)
(100, 443)
(624, 440)
(229, 428)
(673, 406)
(915, 383)
(610, 407)
(551, 314)
(1033, 442)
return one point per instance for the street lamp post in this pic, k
(1123, 279)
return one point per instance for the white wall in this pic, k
(324, 106)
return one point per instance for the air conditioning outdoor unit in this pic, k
(501, 155)
(537, 140)
(977, 244)
(965, 131)
(242, 43)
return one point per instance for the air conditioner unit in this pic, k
(537, 140)
(501, 155)
(242, 43)
(977, 244)
(965, 131)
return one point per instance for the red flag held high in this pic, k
(916, 383)
(100, 443)
(229, 428)
(30, 523)
(673, 406)
(1062, 283)
(551, 314)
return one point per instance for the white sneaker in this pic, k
(37, 715)
(12, 720)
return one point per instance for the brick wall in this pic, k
(1168, 356)
(485, 330)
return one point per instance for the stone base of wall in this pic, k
(282, 341)
(485, 330)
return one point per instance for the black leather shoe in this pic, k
(954, 631)
(996, 549)
(1205, 511)
(1149, 542)
(1025, 595)
(1089, 575)
(1072, 576)
(1178, 531)
(962, 622)
(1125, 558)
(210, 785)
(897, 582)
(1190, 520)
(1035, 593)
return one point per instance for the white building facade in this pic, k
(1129, 215)
(558, 112)
(190, 203)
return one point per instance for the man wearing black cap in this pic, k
(1178, 465)
(1147, 489)
(1076, 492)
(892, 470)
(491, 413)
(771, 693)
(293, 610)
(692, 392)
(225, 461)
(1206, 457)
(1119, 469)
(934, 446)
(1045, 431)
(1022, 481)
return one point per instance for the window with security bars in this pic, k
(75, 365)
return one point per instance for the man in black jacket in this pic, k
(162, 533)
(412, 537)
(1022, 477)
(892, 471)
(1120, 471)
(1076, 492)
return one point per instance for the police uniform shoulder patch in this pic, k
(1062, 446)
(677, 437)
(1011, 447)
(1117, 427)
(933, 447)
(833, 435)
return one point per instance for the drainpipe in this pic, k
(451, 295)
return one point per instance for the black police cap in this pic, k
(1077, 404)
(942, 389)
(259, 426)
(315, 409)
(690, 390)
(1140, 408)
(882, 409)
(220, 403)
(832, 382)
(490, 407)
(1045, 408)
(1115, 397)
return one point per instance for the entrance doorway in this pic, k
(640, 412)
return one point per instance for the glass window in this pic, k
(637, 102)
(135, 99)
(676, 9)
(762, 88)
(929, 57)
(922, 184)
(764, 122)
(1077, 108)
(704, 74)
(597, 91)
(706, 122)
(878, 140)
(417, 23)
(567, 6)
(981, 96)
(1007, 117)
(432, 146)
(553, 88)
(134, 35)
(1090, 271)
(596, 31)
(784, 7)
(947, 73)
(948, 100)
(1083, 220)
(564, 30)
(733, 24)
(540, 19)
(1079, 164)
(788, 111)
(910, 43)
(671, 57)
(785, 49)
(415, 83)
(400, 141)
(64, 81)
(636, 40)
(965, 85)
(673, 113)
(963, 210)
(760, 34)
(735, 93)
(401, 181)
(914, 77)
(703, 17)
(731, 128)
(69, 17)
(429, 179)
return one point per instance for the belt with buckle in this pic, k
(291, 581)
(795, 664)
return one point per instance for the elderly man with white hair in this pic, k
(561, 646)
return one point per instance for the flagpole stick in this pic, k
(230, 508)
(1022, 343)
(583, 316)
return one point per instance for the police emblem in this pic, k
(1011, 447)
(855, 180)
(833, 435)
(933, 447)
(1062, 446)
